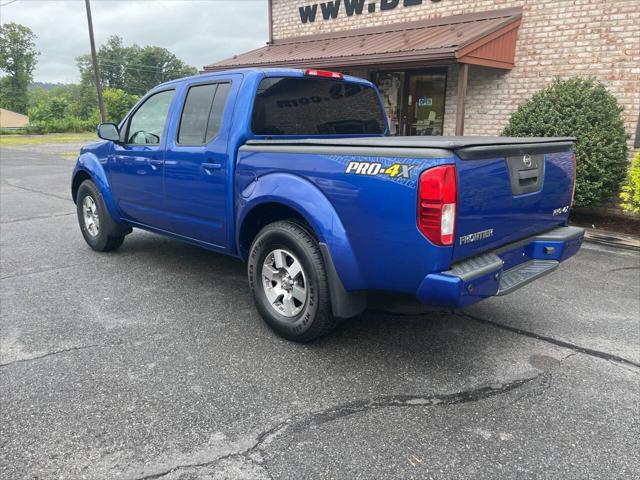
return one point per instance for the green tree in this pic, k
(149, 66)
(133, 69)
(584, 109)
(18, 57)
(112, 58)
(117, 103)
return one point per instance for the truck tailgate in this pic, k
(509, 192)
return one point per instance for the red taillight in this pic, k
(324, 73)
(573, 190)
(437, 199)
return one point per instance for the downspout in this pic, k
(270, 22)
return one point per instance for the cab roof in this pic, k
(255, 72)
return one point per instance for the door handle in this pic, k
(154, 163)
(209, 168)
(528, 177)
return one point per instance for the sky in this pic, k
(199, 32)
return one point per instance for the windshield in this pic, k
(314, 106)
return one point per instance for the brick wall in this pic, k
(599, 38)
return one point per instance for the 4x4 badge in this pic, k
(397, 170)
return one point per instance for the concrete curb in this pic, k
(612, 239)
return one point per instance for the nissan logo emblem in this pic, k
(526, 160)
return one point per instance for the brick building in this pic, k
(459, 66)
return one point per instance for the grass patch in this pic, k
(57, 138)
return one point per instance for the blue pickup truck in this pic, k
(294, 172)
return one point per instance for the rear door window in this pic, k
(312, 106)
(202, 113)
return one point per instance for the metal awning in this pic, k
(484, 38)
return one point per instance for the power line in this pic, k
(132, 66)
(8, 3)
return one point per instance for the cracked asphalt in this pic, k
(151, 362)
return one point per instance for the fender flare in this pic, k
(305, 198)
(90, 165)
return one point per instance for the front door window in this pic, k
(147, 123)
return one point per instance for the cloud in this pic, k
(197, 31)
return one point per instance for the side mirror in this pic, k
(109, 131)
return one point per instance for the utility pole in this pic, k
(94, 58)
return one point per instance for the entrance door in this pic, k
(391, 87)
(425, 103)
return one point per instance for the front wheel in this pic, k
(98, 228)
(289, 282)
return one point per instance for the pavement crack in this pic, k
(560, 343)
(36, 217)
(33, 190)
(545, 384)
(210, 463)
(614, 270)
(348, 409)
(554, 341)
(153, 339)
(44, 270)
(55, 352)
(301, 422)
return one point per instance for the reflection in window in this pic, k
(202, 113)
(147, 123)
(309, 106)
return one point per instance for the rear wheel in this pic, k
(289, 282)
(98, 228)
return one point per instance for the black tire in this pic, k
(109, 235)
(315, 319)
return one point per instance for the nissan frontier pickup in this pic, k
(294, 172)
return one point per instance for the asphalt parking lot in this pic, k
(151, 362)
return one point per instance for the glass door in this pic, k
(425, 103)
(391, 86)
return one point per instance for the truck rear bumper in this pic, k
(500, 271)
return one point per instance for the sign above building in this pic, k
(333, 9)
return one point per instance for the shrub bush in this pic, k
(27, 130)
(69, 124)
(630, 194)
(584, 109)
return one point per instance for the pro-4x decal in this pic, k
(397, 170)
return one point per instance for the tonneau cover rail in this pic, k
(494, 151)
(446, 143)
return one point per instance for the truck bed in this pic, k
(508, 188)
